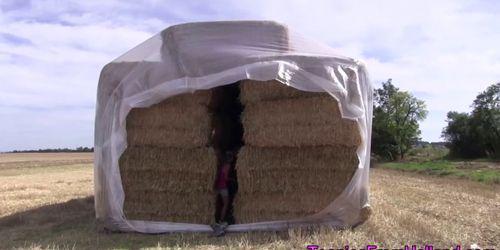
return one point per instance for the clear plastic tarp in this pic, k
(194, 56)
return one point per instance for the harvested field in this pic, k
(50, 158)
(52, 208)
(30, 180)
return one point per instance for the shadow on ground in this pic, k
(72, 225)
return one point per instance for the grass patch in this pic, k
(427, 153)
(442, 168)
(484, 160)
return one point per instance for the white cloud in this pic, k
(446, 49)
(443, 51)
(48, 84)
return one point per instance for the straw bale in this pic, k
(267, 207)
(192, 160)
(311, 121)
(168, 137)
(303, 136)
(167, 174)
(170, 202)
(180, 121)
(169, 217)
(256, 91)
(285, 183)
(289, 181)
(251, 216)
(304, 111)
(172, 207)
(293, 169)
(169, 116)
(168, 184)
(299, 201)
(289, 158)
(167, 181)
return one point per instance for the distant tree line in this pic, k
(56, 150)
(476, 134)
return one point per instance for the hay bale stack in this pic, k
(167, 169)
(256, 91)
(308, 121)
(299, 154)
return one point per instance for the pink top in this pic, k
(223, 176)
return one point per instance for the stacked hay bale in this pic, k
(299, 153)
(168, 169)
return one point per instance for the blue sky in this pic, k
(51, 52)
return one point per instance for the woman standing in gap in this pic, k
(221, 187)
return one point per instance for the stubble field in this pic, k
(46, 202)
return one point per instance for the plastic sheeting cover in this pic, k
(194, 56)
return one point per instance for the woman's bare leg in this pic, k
(225, 204)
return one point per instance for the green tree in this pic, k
(395, 121)
(486, 119)
(461, 136)
(478, 134)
